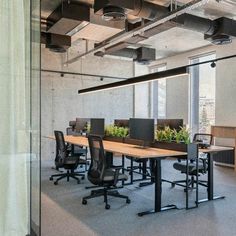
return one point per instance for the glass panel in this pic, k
(158, 94)
(35, 118)
(202, 95)
(15, 106)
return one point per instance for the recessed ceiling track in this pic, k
(140, 30)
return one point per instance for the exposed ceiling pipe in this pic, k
(196, 23)
(142, 54)
(125, 52)
(219, 31)
(147, 10)
(140, 30)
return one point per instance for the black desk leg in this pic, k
(210, 188)
(144, 169)
(156, 166)
(123, 168)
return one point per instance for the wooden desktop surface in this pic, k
(123, 148)
(213, 148)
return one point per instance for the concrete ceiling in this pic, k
(176, 40)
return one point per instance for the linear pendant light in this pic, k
(180, 71)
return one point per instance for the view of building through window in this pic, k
(203, 92)
(161, 92)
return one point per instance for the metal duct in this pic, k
(141, 54)
(147, 10)
(196, 23)
(219, 31)
(67, 17)
(56, 42)
(134, 8)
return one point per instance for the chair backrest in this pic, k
(98, 160)
(203, 139)
(61, 150)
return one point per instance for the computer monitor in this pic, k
(122, 123)
(97, 126)
(142, 129)
(172, 123)
(81, 124)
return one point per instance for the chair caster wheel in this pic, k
(82, 177)
(55, 183)
(107, 206)
(128, 201)
(84, 202)
(172, 185)
(51, 178)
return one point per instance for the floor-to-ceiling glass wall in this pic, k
(202, 94)
(20, 117)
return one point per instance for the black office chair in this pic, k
(142, 167)
(64, 160)
(101, 175)
(203, 141)
(78, 150)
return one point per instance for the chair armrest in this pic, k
(116, 175)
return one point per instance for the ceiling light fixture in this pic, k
(180, 71)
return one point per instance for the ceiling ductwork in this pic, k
(56, 42)
(141, 55)
(67, 17)
(225, 31)
(133, 9)
(219, 31)
(79, 21)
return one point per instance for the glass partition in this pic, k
(20, 118)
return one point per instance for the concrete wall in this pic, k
(61, 102)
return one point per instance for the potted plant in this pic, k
(172, 139)
(115, 133)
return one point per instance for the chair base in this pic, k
(191, 183)
(105, 192)
(69, 174)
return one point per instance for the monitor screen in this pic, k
(172, 123)
(122, 123)
(81, 124)
(142, 129)
(97, 126)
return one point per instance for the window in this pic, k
(202, 95)
(158, 94)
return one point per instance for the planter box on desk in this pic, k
(133, 141)
(181, 147)
(114, 139)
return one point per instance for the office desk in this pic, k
(210, 155)
(133, 150)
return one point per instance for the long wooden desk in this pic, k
(210, 155)
(133, 150)
(156, 155)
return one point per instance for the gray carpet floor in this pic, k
(64, 215)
